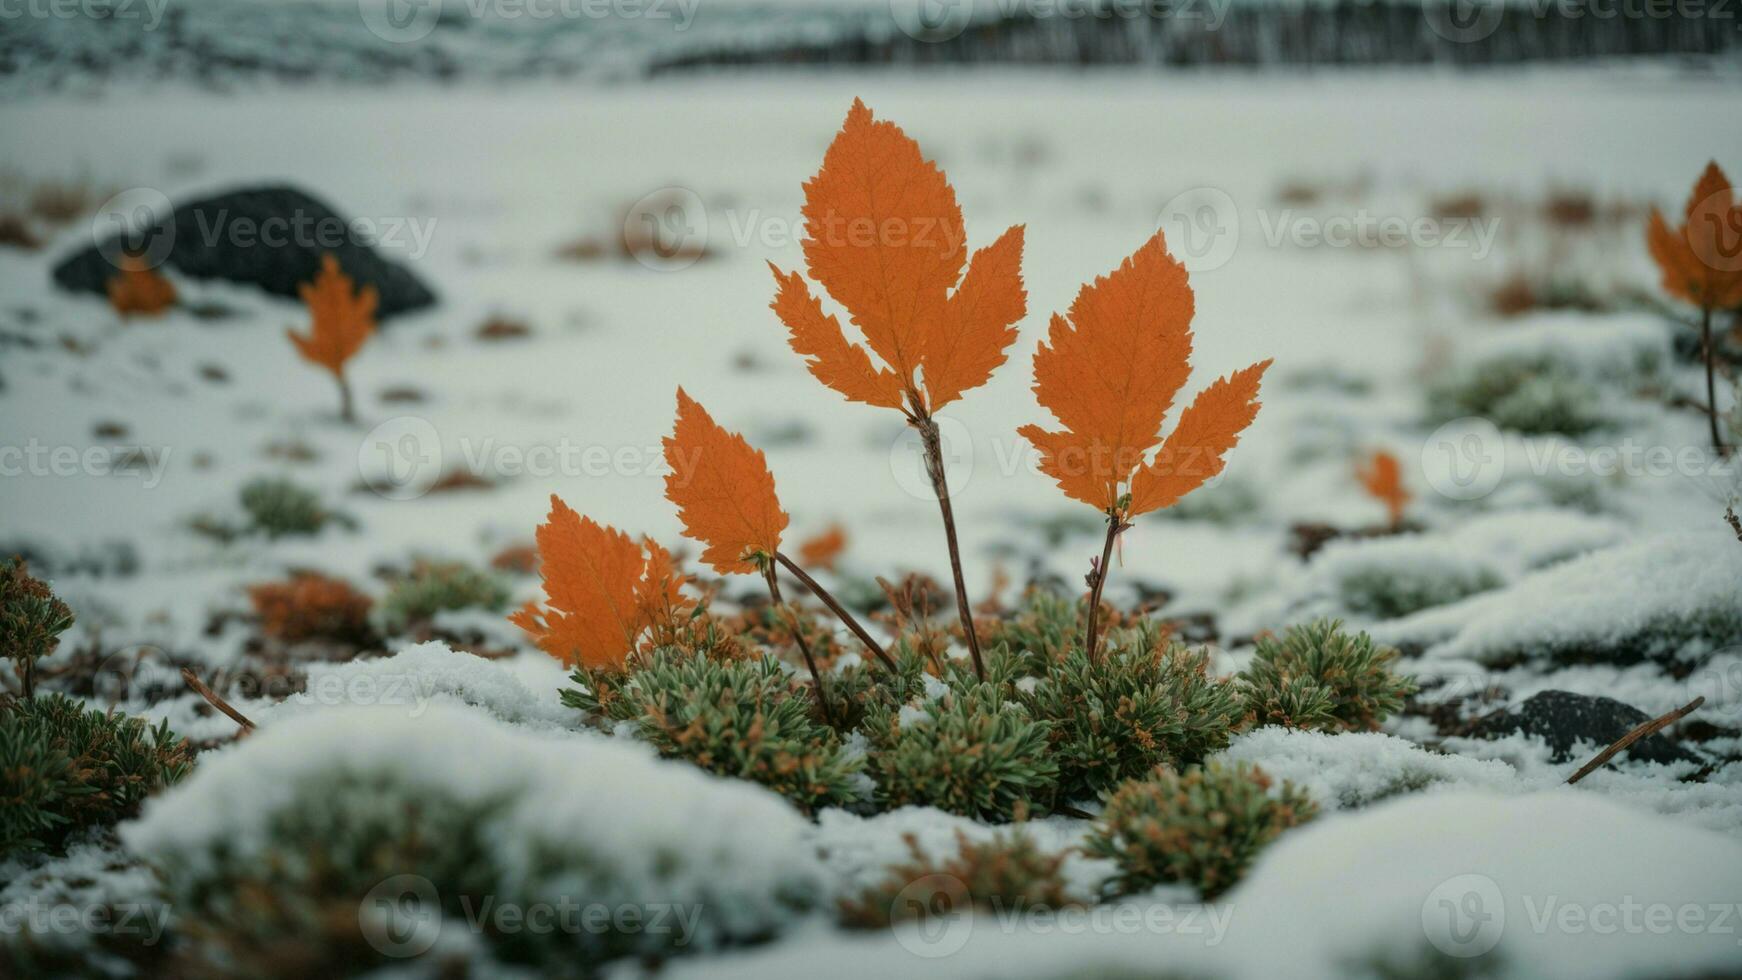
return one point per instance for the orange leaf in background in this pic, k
(1382, 477)
(138, 289)
(340, 319)
(821, 550)
(1701, 261)
(723, 491)
(1109, 374)
(884, 237)
(601, 591)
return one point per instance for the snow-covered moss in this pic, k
(333, 842)
(1319, 676)
(1674, 597)
(1355, 769)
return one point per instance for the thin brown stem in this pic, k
(1734, 521)
(835, 607)
(346, 412)
(934, 468)
(1114, 526)
(29, 677)
(212, 699)
(1711, 382)
(803, 646)
(1635, 735)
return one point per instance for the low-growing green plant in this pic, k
(1319, 676)
(1393, 589)
(749, 719)
(279, 508)
(434, 587)
(1007, 873)
(1528, 395)
(1146, 702)
(1202, 827)
(32, 618)
(65, 768)
(963, 745)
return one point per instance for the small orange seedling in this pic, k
(1382, 477)
(341, 320)
(823, 549)
(139, 289)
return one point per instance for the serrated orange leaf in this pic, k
(1195, 451)
(823, 549)
(1382, 477)
(138, 289)
(340, 318)
(1110, 373)
(602, 590)
(1701, 260)
(884, 237)
(723, 491)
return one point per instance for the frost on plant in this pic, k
(1319, 676)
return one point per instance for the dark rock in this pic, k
(221, 237)
(1563, 719)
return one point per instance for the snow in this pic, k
(1356, 769)
(1662, 583)
(431, 673)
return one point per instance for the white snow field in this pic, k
(1571, 542)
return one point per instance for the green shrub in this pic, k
(749, 719)
(32, 619)
(1203, 827)
(65, 768)
(434, 587)
(1007, 873)
(1525, 395)
(1318, 676)
(1144, 702)
(1390, 590)
(278, 507)
(963, 745)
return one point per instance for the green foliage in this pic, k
(1007, 873)
(966, 746)
(1318, 676)
(1395, 589)
(1528, 396)
(65, 768)
(749, 719)
(278, 507)
(1202, 827)
(434, 587)
(1045, 627)
(1143, 702)
(32, 618)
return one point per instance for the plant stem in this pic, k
(1634, 736)
(803, 647)
(1711, 385)
(212, 699)
(1114, 526)
(934, 468)
(835, 607)
(29, 677)
(345, 411)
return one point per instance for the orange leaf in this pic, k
(139, 289)
(723, 491)
(1109, 375)
(1382, 477)
(821, 550)
(340, 319)
(1194, 452)
(602, 592)
(884, 238)
(1701, 261)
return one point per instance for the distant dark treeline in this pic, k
(1344, 32)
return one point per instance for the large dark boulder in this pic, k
(272, 237)
(1563, 719)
